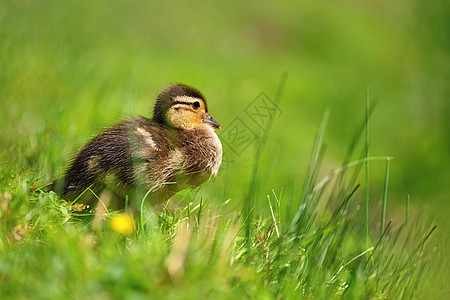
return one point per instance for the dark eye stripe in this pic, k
(180, 102)
(183, 102)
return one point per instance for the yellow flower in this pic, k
(122, 224)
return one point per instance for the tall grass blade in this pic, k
(348, 156)
(367, 171)
(316, 158)
(379, 241)
(79, 196)
(143, 201)
(273, 217)
(386, 182)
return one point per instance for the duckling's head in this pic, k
(180, 106)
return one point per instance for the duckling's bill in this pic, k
(210, 120)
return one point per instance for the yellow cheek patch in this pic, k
(195, 119)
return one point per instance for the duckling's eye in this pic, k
(196, 105)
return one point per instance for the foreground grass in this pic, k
(70, 68)
(311, 244)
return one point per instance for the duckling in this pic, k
(176, 149)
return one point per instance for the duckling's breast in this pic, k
(201, 152)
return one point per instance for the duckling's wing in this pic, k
(105, 158)
(150, 149)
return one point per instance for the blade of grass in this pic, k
(351, 149)
(100, 200)
(349, 262)
(379, 241)
(367, 171)
(76, 199)
(308, 188)
(335, 172)
(278, 200)
(273, 217)
(143, 200)
(420, 245)
(386, 182)
(200, 210)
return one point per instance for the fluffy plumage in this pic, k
(176, 149)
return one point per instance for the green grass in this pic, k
(50, 250)
(280, 219)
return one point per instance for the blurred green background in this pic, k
(70, 68)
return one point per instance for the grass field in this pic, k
(287, 217)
